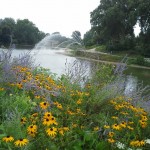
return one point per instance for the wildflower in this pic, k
(137, 143)
(130, 128)
(147, 141)
(47, 114)
(61, 131)
(51, 131)
(21, 142)
(66, 128)
(143, 123)
(23, 120)
(120, 145)
(114, 117)
(79, 101)
(116, 127)
(59, 106)
(144, 118)
(96, 128)
(106, 126)
(111, 134)
(44, 105)
(123, 124)
(49, 121)
(111, 140)
(32, 129)
(8, 139)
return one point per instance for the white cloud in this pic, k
(49, 16)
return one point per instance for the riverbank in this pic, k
(93, 55)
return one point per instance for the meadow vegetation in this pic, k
(39, 110)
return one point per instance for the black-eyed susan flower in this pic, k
(106, 126)
(23, 120)
(61, 131)
(32, 130)
(59, 106)
(123, 124)
(116, 127)
(96, 128)
(8, 139)
(111, 134)
(21, 142)
(44, 105)
(79, 101)
(110, 140)
(137, 143)
(47, 114)
(49, 121)
(51, 131)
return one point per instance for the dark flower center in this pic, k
(51, 129)
(44, 103)
(21, 139)
(8, 136)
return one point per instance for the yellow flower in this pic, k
(123, 124)
(66, 128)
(44, 105)
(144, 118)
(32, 129)
(49, 121)
(79, 101)
(59, 106)
(8, 139)
(137, 143)
(111, 134)
(130, 128)
(143, 123)
(61, 131)
(23, 120)
(114, 117)
(111, 140)
(21, 142)
(51, 131)
(47, 114)
(106, 126)
(116, 127)
(96, 128)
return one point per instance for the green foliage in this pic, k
(113, 21)
(22, 32)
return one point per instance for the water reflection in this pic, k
(130, 85)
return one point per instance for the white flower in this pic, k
(129, 149)
(120, 145)
(147, 141)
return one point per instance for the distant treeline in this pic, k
(113, 23)
(20, 32)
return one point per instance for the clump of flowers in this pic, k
(128, 125)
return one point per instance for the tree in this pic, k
(6, 31)
(111, 19)
(27, 33)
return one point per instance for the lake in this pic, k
(55, 60)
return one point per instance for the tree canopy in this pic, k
(22, 32)
(113, 22)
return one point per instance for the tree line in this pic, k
(113, 23)
(22, 32)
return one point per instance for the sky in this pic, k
(64, 16)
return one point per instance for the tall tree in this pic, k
(111, 19)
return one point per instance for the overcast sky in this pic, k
(64, 16)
